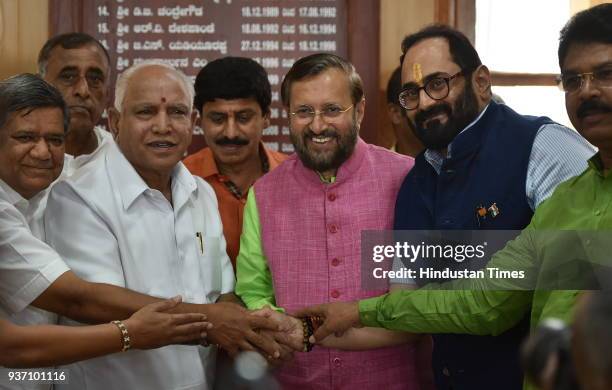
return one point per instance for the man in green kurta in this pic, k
(580, 205)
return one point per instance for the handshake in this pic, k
(273, 334)
(292, 334)
(277, 335)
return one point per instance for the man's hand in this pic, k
(290, 331)
(153, 327)
(234, 329)
(338, 318)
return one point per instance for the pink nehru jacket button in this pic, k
(333, 228)
(337, 362)
(335, 262)
(335, 294)
(331, 197)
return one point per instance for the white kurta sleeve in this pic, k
(28, 266)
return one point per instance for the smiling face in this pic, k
(154, 127)
(81, 75)
(322, 143)
(32, 150)
(233, 129)
(437, 122)
(590, 108)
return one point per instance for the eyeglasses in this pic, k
(571, 83)
(436, 88)
(306, 114)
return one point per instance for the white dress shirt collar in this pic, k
(10, 195)
(27, 207)
(131, 186)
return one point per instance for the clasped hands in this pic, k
(289, 334)
(337, 318)
(274, 334)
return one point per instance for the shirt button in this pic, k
(445, 371)
(335, 262)
(597, 212)
(331, 197)
(335, 294)
(337, 362)
(333, 228)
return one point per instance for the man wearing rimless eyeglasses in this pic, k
(300, 242)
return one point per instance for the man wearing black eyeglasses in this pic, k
(580, 206)
(485, 167)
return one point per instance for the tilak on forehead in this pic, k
(417, 74)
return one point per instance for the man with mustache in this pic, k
(491, 306)
(79, 67)
(478, 154)
(135, 217)
(233, 96)
(300, 243)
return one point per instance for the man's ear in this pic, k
(266, 119)
(113, 121)
(481, 81)
(360, 110)
(395, 113)
(195, 118)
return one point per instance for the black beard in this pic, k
(438, 136)
(322, 163)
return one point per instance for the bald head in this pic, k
(149, 68)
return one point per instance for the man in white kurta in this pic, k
(32, 127)
(112, 224)
(28, 265)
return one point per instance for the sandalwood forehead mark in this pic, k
(417, 73)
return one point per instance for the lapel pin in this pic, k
(493, 210)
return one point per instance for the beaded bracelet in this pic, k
(125, 336)
(316, 322)
(307, 329)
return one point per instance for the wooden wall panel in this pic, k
(23, 30)
(363, 52)
(398, 18)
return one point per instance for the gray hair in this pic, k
(73, 40)
(316, 64)
(124, 79)
(29, 92)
